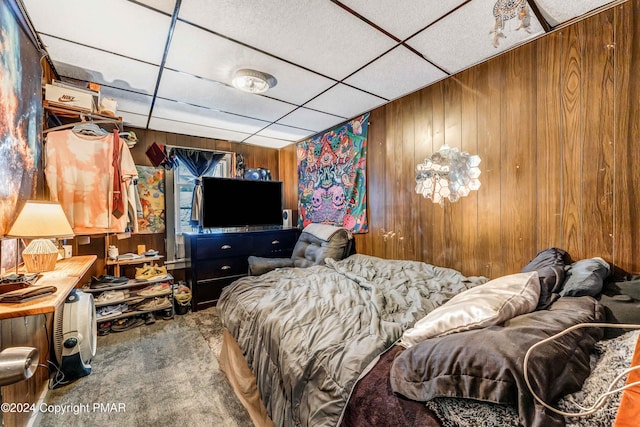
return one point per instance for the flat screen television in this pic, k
(240, 203)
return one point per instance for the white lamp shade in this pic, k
(41, 220)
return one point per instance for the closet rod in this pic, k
(70, 125)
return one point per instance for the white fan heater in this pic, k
(75, 336)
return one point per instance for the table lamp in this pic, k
(40, 222)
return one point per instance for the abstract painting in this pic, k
(151, 191)
(20, 120)
(332, 177)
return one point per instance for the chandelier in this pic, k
(448, 174)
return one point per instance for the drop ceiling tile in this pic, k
(112, 25)
(285, 132)
(263, 141)
(88, 64)
(345, 101)
(402, 18)
(128, 102)
(310, 119)
(223, 57)
(180, 112)
(395, 74)
(464, 38)
(166, 6)
(134, 120)
(556, 12)
(316, 34)
(192, 129)
(193, 90)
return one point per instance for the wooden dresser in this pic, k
(30, 324)
(217, 259)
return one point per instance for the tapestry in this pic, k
(20, 117)
(151, 215)
(332, 177)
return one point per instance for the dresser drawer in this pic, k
(221, 246)
(206, 293)
(221, 267)
(276, 243)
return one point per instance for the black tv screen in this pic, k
(239, 203)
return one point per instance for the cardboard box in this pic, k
(59, 93)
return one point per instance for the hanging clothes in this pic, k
(79, 171)
(117, 206)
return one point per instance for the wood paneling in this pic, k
(626, 198)
(549, 148)
(556, 123)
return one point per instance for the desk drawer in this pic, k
(221, 267)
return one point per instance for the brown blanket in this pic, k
(373, 403)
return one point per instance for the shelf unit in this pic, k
(132, 285)
(117, 263)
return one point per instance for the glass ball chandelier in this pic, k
(448, 174)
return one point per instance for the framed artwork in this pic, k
(20, 120)
(151, 187)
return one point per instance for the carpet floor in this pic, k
(164, 374)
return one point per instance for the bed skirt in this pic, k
(242, 381)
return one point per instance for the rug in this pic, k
(164, 374)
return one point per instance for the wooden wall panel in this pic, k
(597, 138)
(469, 204)
(556, 123)
(373, 241)
(626, 198)
(423, 108)
(571, 134)
(453, 219)
(406, 238)
(391, 205)
(518, 192)
(549, 148)
(490, 249)
(438, 222)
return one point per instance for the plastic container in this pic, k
(182, 302)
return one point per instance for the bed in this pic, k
(345, 343)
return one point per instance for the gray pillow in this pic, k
(550, 265)
(585, 278)
(486, 364)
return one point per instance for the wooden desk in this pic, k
(30, 324)
(65, 277)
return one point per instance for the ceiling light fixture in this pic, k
(253, 81)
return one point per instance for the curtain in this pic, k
(198, 163)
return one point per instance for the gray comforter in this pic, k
(307, 334)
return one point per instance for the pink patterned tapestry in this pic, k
(332, 177)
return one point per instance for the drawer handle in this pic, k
(275, 242)
(225, 267)
(226, 247)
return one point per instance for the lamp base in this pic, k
(40, 256)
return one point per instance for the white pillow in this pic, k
(489, 304)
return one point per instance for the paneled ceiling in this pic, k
(169, 63)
